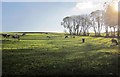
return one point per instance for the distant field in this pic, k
(35, 54)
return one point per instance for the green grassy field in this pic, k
(35, 54)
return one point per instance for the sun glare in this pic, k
(116, 6)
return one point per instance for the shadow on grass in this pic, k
(70, 60)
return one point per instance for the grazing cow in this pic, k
(66, 36)
(48, 36)
(114, 41)
(16, 37)
(5, 35)
(24, 34)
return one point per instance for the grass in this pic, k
(35, 54)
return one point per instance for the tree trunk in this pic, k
(118, 33)
(98, 27)
(80, 31)
(110, 31)
(77, 29)
(70, 31)
(84, 33)
(95, 31)
(114, 31)
(107, 33)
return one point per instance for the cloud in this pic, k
(86, 7)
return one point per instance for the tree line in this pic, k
(98, 20)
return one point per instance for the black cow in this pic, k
(5, 35)
(16, 37)
(114, 41)
(24, 34)
(83, 40)
(66, 36)
(48, 36)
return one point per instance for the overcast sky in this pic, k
(43, 15)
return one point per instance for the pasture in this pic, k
(35, 54)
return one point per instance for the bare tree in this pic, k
(67, 24)
(78, 24)
(86, 24)
(97, 21)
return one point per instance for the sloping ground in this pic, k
(35, 54)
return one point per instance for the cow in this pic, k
(83, 40)
(5, 35)
(114, 41)
(48, 36)
(66, 36)
(16, 36)
(24, 34)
